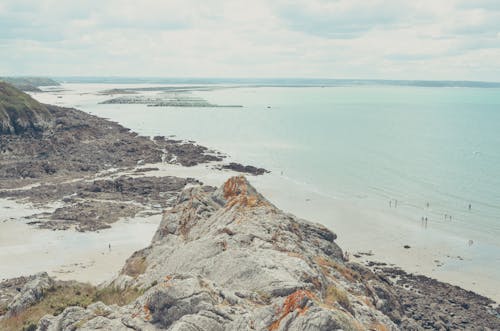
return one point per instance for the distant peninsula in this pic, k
(29, 84)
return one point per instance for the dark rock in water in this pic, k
(19, 113)
(245, 169)
(406, 246)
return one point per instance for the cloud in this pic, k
(427, 39)
(342, 19)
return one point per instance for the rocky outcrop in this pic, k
(21, 293)
(228, 259)
(19, 113)
(248, 169)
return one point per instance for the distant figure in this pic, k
(281, 172)
(109, 245)
(470, 206)
(390, 203)
(445, 216)
(470, 242)
(427, 205)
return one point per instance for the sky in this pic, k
(370, 39)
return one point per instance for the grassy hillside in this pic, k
(29, 83)
(21, 113)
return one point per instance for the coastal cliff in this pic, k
(19, 113)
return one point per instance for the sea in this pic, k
(428, 152)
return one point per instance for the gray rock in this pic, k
(31, 293)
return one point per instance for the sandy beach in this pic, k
(67, 255)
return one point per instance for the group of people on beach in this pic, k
(424, 219)
(393, 202)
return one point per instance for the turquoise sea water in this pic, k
(417, 145)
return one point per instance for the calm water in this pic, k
(417, 145)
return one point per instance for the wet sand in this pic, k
(69, 254)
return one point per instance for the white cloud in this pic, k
(449, 39)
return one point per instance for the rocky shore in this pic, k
(50, 154)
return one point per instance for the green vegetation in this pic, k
(19, 112)
(136, 265)
(335, 294)
(67, 294)
(29, 83)
(113, 295)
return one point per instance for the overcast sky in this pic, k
(385, 39)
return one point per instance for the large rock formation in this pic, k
(227, 259)
(19, 113)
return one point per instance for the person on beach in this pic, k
(390, 203)
(470, 206)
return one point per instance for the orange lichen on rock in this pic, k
(235, 186)
(377, 326)
(167, 280)
(236, 193)
(147, 313)
(294, 302)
